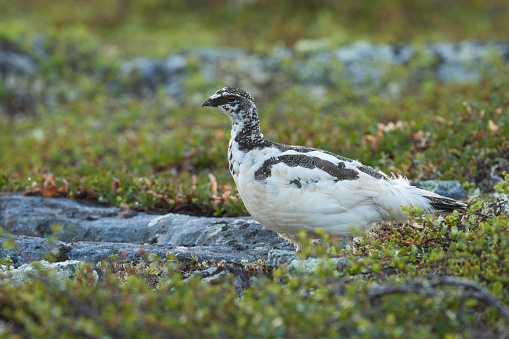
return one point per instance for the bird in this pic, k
(289, 189)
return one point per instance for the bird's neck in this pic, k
(246, 132)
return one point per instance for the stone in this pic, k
(448, 188)
(88, 232)
(84, 231)
(310, 63)
(61, 271)
(278, 257)
(27, 249)
(92, 232)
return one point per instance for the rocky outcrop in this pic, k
(79, 230)
(86, 232)
(312, 64)
(449, 188)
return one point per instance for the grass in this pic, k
(86, 131)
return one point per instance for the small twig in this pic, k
(421, 286)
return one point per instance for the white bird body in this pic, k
(290, 188)
(320, 202)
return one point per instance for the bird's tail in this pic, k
(445, 205)
(431, 202)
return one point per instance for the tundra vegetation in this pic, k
(74, 123)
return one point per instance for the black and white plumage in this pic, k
(292, 188)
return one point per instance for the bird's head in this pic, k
(234, 102)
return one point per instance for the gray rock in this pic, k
(17, 72)
(214, 54)
(448, 188)
(464, 61)
(364, 62)
(154, 72)
(90, 232)
(242, 274)
(278, 257)
(311, 265)
(35, 216)
(61, 271)
(27, 249)
(290, 260)
(365, 51)
(310, 63)
(314, 62)
(14, 61)
(175, 63)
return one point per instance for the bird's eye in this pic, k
(231, 98)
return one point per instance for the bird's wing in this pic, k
(342, 182)
(321, 173)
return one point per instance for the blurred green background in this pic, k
(160, 27)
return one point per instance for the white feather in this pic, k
(321, 202)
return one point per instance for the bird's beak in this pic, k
(207, 103)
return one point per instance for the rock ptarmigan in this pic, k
(292, 188)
